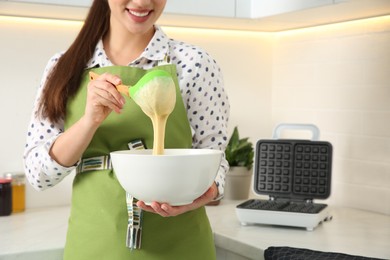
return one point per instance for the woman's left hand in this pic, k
(167, 210)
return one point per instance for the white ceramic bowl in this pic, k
(177, 177)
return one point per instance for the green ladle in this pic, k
(155, 93)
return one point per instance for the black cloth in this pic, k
(290, 253)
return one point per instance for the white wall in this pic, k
(338, 77)
(26, 46)
(245, 60)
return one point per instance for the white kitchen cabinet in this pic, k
(212, 8)
(217, 8)
(281, 15)
(265, 8)
(242, 8)
(51, 9)
(84, 3)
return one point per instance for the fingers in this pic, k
(208, 196)
(115, 80)
(121, 88)
(104, 87)
(163, 209)
(159, 209)
(154, 207)
(107, 96)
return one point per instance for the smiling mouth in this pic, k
(139, 14)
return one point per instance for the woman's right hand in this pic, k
(103, 97)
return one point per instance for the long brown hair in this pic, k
(64, 80)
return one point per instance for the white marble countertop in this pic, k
(40, 233)
(351, 231)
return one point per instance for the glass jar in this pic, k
(18, 190)
(5, 197)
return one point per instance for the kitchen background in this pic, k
(336, 76)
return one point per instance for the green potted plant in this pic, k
(239, 153)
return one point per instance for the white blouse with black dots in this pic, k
(202, 89)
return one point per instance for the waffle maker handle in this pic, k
(310, 127)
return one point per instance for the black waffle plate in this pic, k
(285, 206)
(293, 168)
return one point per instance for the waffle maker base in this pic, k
(250, 212)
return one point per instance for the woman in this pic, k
(73, 121)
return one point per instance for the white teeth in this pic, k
(139, 14)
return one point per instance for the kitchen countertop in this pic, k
(40, 233)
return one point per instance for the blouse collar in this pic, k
(156, 50)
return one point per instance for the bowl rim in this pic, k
(170, 152)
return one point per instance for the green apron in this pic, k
(98, 220)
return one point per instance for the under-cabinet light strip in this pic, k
(61, 22)
(333, 26)
(36, 20)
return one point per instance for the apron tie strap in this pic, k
(94, 164)
(134, 226)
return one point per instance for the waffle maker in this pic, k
(292, 173)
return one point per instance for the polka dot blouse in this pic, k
(201, 86)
